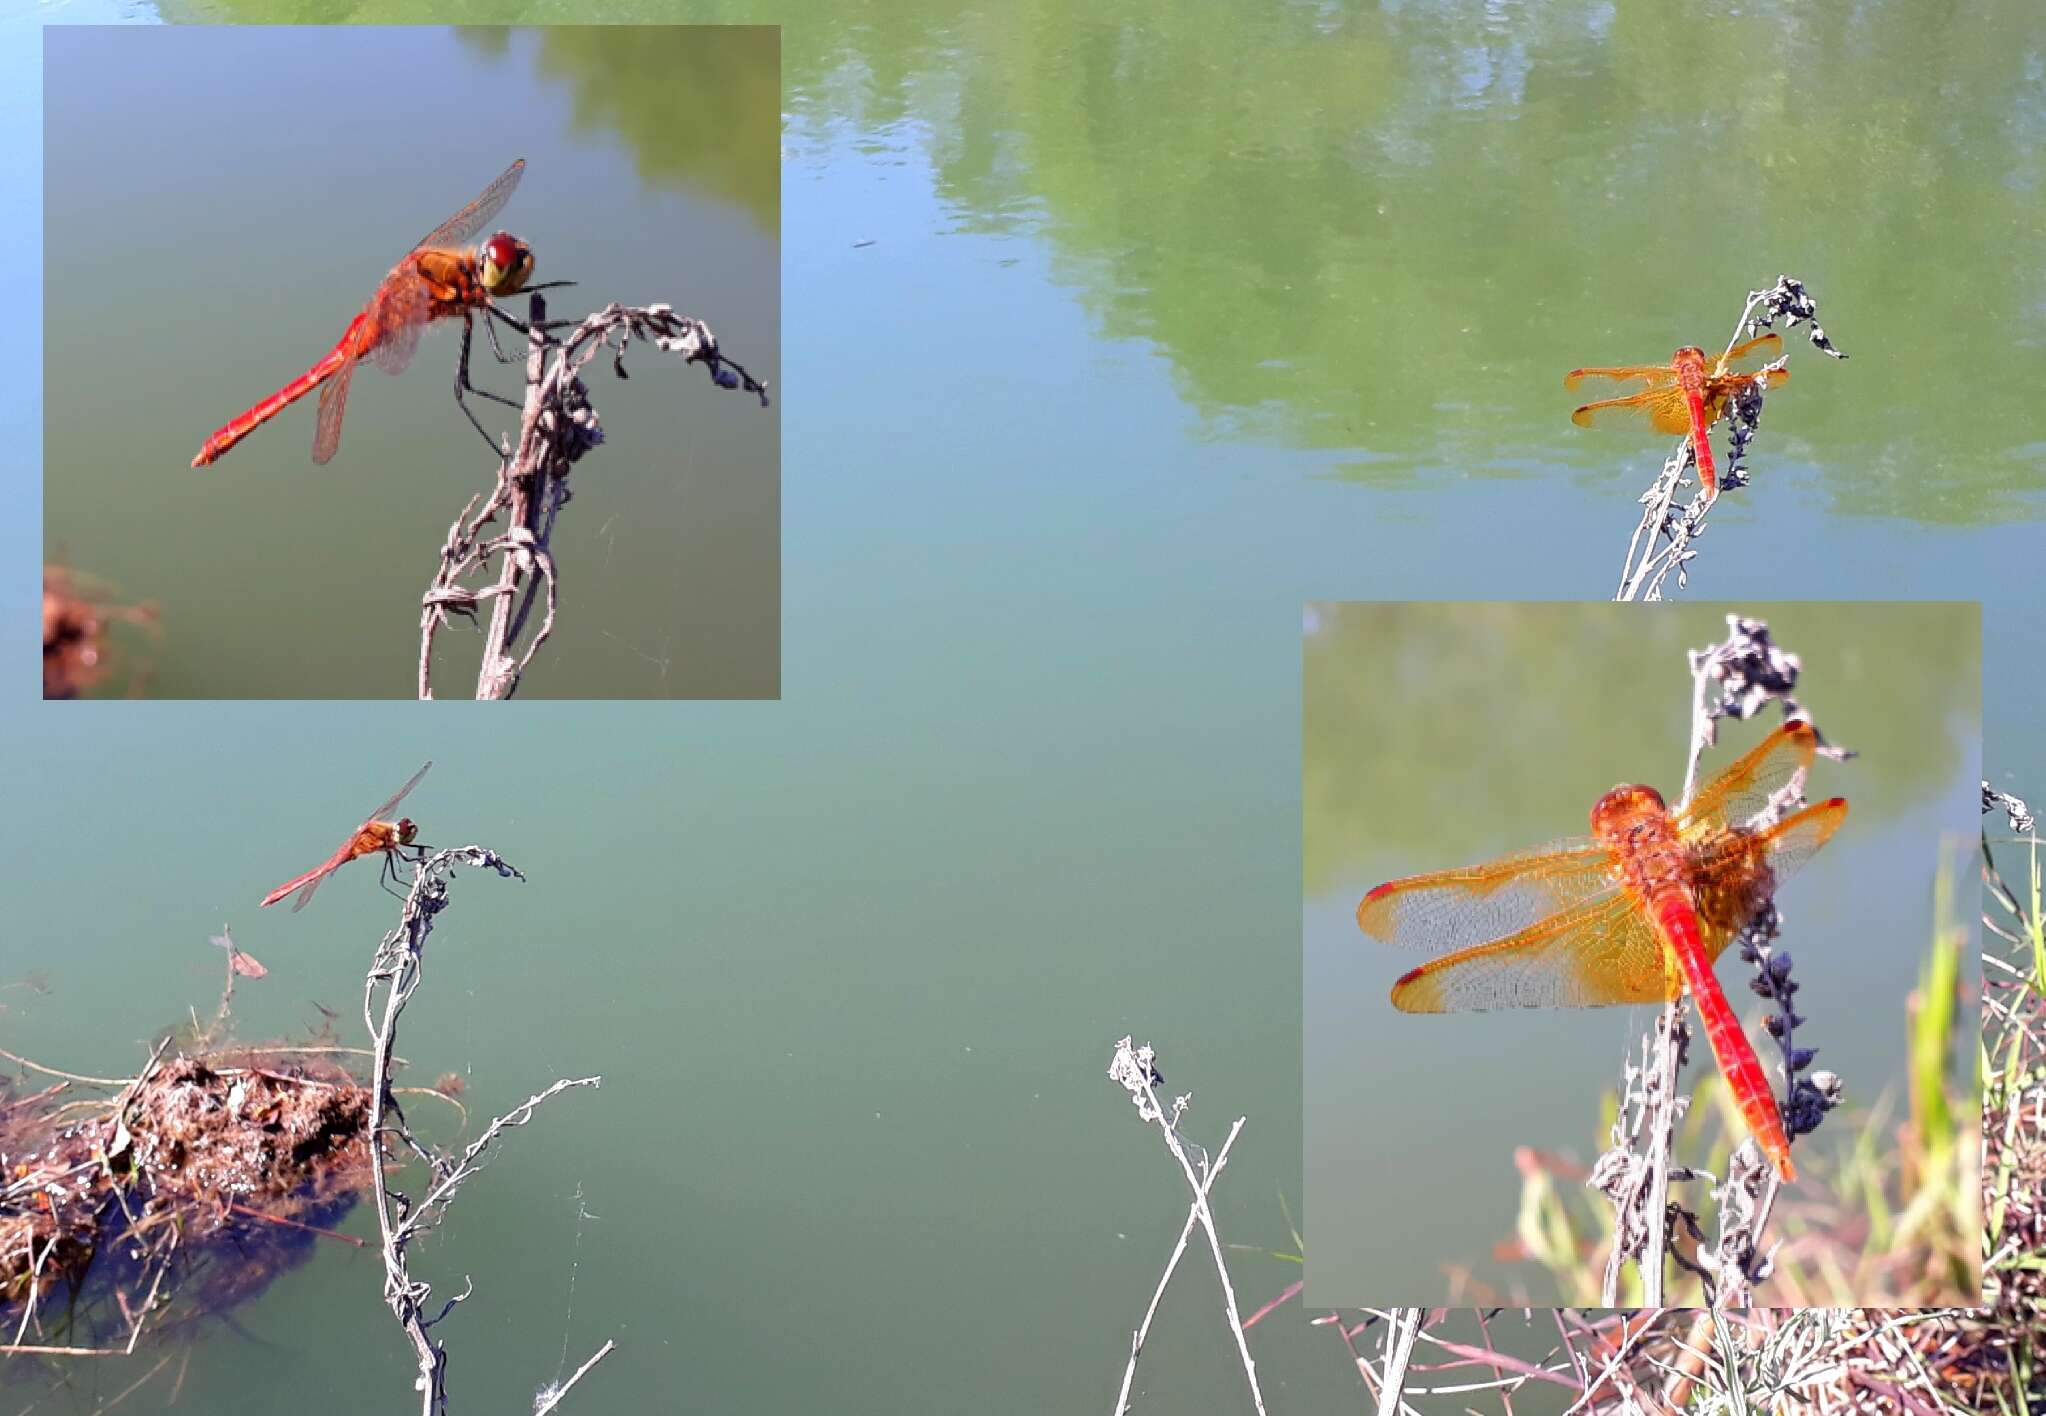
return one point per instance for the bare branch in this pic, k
(393, 976)
(558, 427)
(1134, 1069)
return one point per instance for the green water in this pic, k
(1114, 338)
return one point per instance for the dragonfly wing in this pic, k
(1761, 349)
(386, 809)
(305, 896)
(1797, 838)
(1720, 389)
(475, 216)
(1654, 373)
(333, 403)
(1743, 791)
(1449, 910)
(1664, 408)
(399, 312)
(1602, 952)
(1736, 872)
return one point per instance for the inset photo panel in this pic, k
(1637, 944)
(473, 396)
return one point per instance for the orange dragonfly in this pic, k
(439, 279)
(1635, 915)
(1685, 396)
(373, 835)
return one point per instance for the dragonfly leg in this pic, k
(389, 877)
(497, 349)
(462, 386)
(525, 327)
(462, 370)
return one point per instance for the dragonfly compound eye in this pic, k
(508, 263)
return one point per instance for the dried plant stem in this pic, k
(557, 428)
(1399, 1351)
(554, 1397)
(1641, 1195)
(1133, 1068)
(393, 977)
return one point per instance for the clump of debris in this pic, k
(205, 1178)
(79, 614)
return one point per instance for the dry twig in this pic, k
(1134, 1069)
(558, 427)
(393, 976)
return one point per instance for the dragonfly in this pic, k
(1685, 396)
(440, 278)
(1638, 913)
(374, 835)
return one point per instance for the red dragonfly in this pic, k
(373, 835)
(438, 279)
(1634, 915)
(1685, 396)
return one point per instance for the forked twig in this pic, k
(393, 977)
(1134, 1069)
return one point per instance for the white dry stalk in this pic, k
(1399, 1351)
(555, 1394)
(1132, 1068)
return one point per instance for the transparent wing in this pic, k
(1759, 350)
(333, 404)
(1735, 872)
(1602, 952)
(475, 216)
(388, 807)
(1653, 373)
(1448, 910)
(1665, 410)
(1742, 792)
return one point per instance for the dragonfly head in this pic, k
(406, 830)
(1622, 809)
(1691, 360)
(507, 264)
